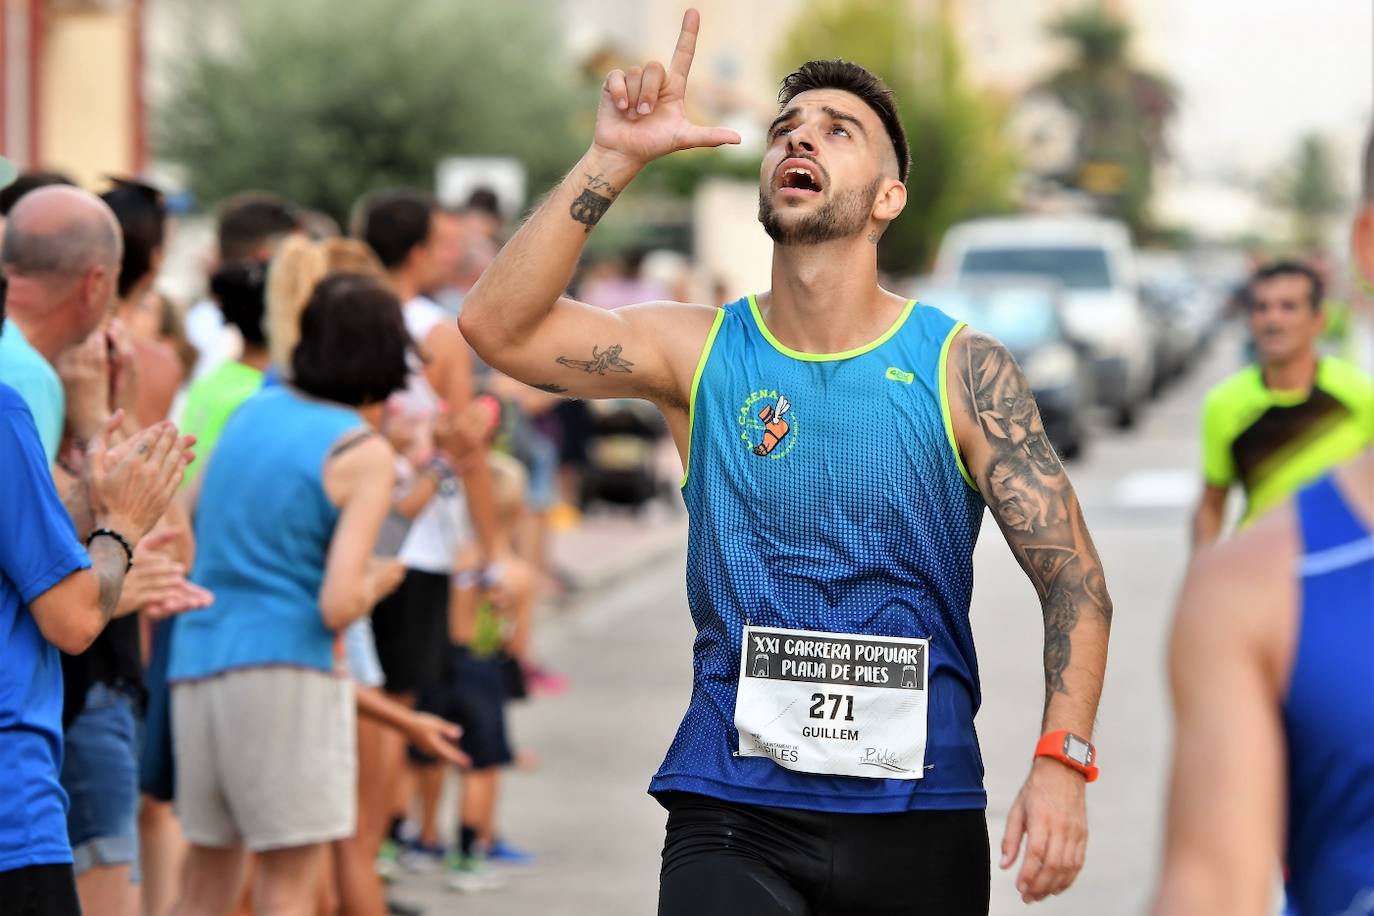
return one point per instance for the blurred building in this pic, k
(71, 86)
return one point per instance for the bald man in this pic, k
(62, 250)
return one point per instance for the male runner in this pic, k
(1271, 661)
(827, 762)
(1288, 418)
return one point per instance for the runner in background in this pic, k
(1284, 420)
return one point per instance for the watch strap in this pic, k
(1055, 744)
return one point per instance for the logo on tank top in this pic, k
(768, 425)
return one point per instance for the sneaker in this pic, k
(470, 875)
(545, 682)
(387, 869)
(504, 854)
(419, 859)
(564, 517)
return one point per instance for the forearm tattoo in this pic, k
(1029, 493)
(594, 201)
(551, 388)
(109, 563)
(602, 361)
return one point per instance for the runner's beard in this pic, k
(843, 216)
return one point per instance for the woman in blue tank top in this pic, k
(841, 444)
(288, 514)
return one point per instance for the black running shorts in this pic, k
(728, 859)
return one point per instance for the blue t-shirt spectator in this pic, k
(26, 371)
(38, 549)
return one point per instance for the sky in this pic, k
(1257, 74)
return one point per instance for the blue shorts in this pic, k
(157, 768)
(541, 463)
(100, 775)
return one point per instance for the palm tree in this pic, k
(1123, 112)
(1308, 186)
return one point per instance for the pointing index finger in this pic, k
(686, 44)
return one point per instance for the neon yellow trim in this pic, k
(827, 357)
(944, 403)
(692, 398)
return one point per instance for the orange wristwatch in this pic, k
(1070, 750)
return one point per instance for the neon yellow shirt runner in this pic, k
(1274, 442)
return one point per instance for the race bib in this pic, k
(834, 703)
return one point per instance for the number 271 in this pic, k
(818, 705)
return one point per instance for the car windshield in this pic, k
(1076, 268)
(1019, 318)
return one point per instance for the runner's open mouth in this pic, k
(800, 178)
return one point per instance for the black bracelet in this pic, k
(123, 542)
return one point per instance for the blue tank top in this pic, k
(263, 527)
(857, 517)
(1329, 712)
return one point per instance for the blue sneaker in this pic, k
(503, 853)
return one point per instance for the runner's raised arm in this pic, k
(517, 317)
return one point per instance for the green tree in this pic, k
(1122, 109)
(322, 101)
(1309, 188)
(960, 164)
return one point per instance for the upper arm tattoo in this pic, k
(602, 361)
(1029, 493)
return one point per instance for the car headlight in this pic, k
(1050, 367)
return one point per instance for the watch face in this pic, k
(1078, 750)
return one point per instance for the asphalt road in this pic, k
(627, 650)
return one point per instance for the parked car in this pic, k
(1178, 310)
(1093, 261)
(1026, 315)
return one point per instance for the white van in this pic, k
(1094, 262)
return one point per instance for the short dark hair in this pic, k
(240, 290)
(26, 182)
(484, 200)
(252, 219)
(850, 77)
(142, 214)
(1288, 268)
(393, 223)
(354, 348)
